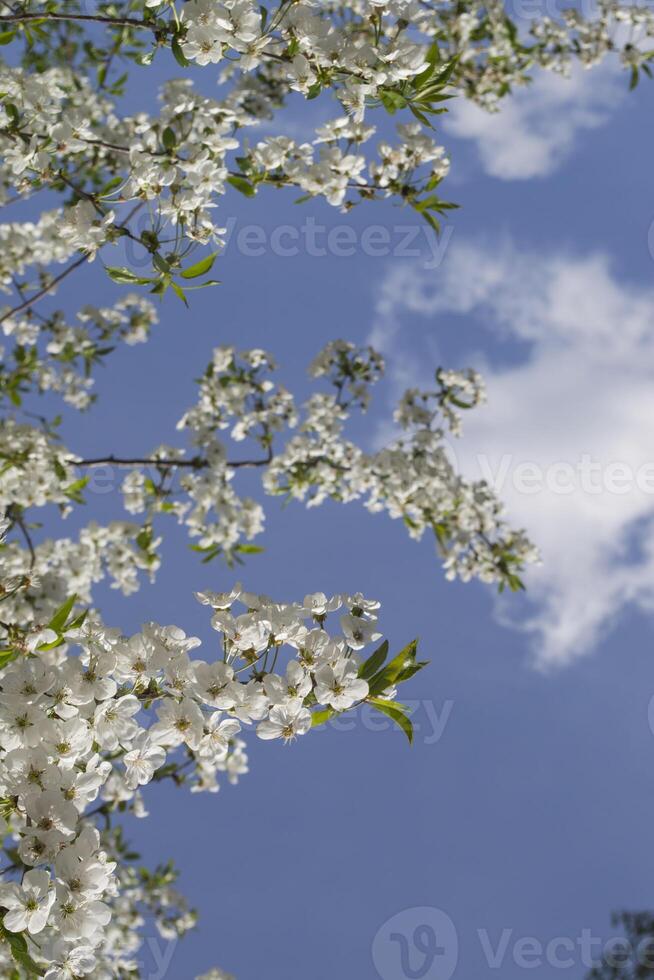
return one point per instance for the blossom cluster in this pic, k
(88, 717)
(413, 478)
(62, 134)
(49, 354)
(61, 129)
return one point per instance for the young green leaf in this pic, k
(242, 185)
(19, 951)
(392, 671)
(7, 656)
(396, 713)
(320, 717)
(374, 662)
(178, 54)
(58, 621)
(179, 292)
(199, 269)
(123, 275)
(169, 139)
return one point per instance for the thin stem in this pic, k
(16, 518)
(80, 192)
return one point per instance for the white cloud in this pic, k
(584, 390)
(535, 130)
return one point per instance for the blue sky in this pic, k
(526, 803)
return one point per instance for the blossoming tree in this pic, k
(89, 716)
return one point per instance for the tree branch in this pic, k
(46, 289)
(197, 463)
(27, 303)
(96, 18)
(16, 518)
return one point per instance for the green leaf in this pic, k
(6, 37)
(160, 263)
(441, 77)
(421, 117)
(434, 54)
(427, 202)
(411, 670)
(178, 54)
(374, 662)
(249, 549)
(161, 285)
(179, 292)
(144, 538)
(396, 714)
(123, 275)
(169, 139)
(74, 489)
(242, 185)
(320, 717)
(109, 186)
(19, 951)
(78, 621)
(12, 112)
(44, 647)
(391, 100)
(7, 656)
(211, 554)
(199, 269)
(425, 76)
(207, 282)
(515, 583)
(117, 87)
(58, 621)
(392, 671)
(431, 220)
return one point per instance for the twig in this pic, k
(27, 303)
(16, 518)
(46, 289)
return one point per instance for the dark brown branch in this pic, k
(95, 18)
(197, 463)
